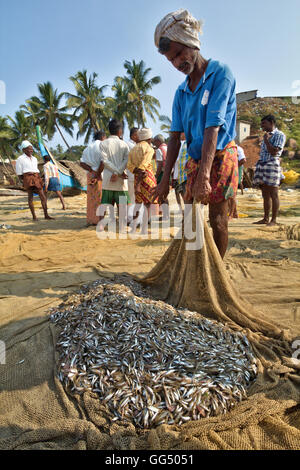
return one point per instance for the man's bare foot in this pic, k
(100, 227)
(272, 223)
(47, 217)
(261, 222)
(35, 219)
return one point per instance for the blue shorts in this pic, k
(54, 184)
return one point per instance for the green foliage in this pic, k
(21, 128)
(138, 85)
(57, 152)
(166, 123)
(5, 137)
(285, 111)
(74, 153)
(47, 109)
(91, 110)
(89, 104)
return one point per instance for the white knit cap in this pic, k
(25, 144)
(144, 134)
(179, 26)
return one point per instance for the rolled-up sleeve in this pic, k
(220, 94)
(176, 125)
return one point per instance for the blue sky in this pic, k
(41, 41)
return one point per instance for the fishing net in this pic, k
(38, 412)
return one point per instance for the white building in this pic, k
(242, 130)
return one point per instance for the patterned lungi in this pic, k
(93, 197)
(32, 181)
(144, 196)
(268, 173)
(224, 175)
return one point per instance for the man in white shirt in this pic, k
(114, 152)
(27, 170)
(91, 157)
(91, 161)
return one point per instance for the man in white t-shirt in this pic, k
(27, 170)
(114, 152)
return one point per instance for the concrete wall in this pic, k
(246, 96)
(242, 131)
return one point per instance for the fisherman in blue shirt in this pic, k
(204, 108)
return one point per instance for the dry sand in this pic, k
(43, 262)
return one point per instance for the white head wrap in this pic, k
(144, 134)
(179, 26)
(25, 144)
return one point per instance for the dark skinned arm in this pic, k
(99, 171)
(159, 169)
(202, 188)
(85, 167)
(162, 190)
(272, 150)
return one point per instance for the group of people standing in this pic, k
(201, 151)
(124, 171)
(28, 171)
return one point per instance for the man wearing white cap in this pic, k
(140, 164)
(204, 108)
(27, 170)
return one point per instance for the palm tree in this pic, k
(88, 104)
(21, 128)
(139, 85)
(166, 123)
(51, 115)
(120, 106)
(5, 137)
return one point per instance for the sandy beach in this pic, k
(42, 262)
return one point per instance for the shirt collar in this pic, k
(210, 69)
(114, 137)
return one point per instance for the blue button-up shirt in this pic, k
(277, 139)
(213, 103)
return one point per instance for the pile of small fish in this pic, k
(148, 362)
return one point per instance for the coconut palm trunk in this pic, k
(62, 136)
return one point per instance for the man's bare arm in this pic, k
(85, 166)
(272, 150)
(202, 188)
